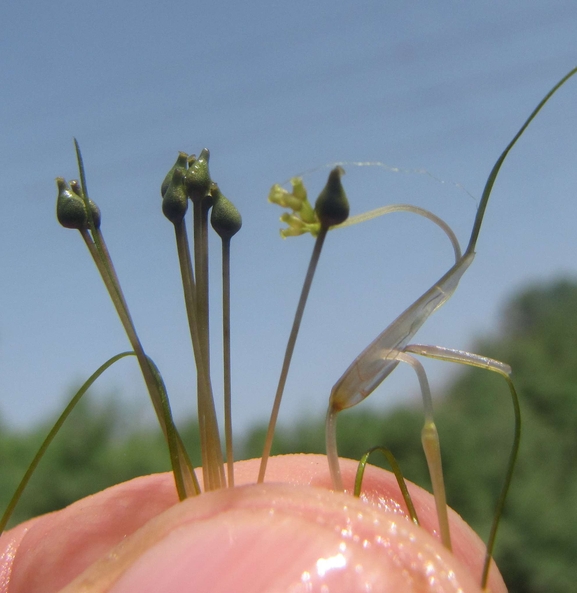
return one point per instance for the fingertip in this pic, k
(278, 537)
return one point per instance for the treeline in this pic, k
(536, 546)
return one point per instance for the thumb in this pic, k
(274, 537)
(292, 537)
(277, 538)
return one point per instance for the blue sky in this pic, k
(274, 90)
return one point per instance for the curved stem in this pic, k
(398, 475)
(50, 437)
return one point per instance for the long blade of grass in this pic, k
(497, 166)
(53, 432)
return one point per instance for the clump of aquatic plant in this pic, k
(189, 180)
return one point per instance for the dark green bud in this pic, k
(225, 218)
(181, 163)
(94, 209)
(175, 202)
(197, 180)
(332, 206)
(70, 208)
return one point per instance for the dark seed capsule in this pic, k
(175, 202)
(332, 206)
(70, 208)
(225, 218)
(181, 163)
(197, 180)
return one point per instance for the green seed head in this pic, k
(175, 202)
(332, 206)
(225, 218)
(197, 180)
(70, 208)
(181, 163)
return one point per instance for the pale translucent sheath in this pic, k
(380, 357)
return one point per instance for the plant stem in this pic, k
(226, 359)
(213, 464)
(290, 349)
(187, 484)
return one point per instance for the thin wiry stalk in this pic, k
(189, 289)
(506, 484)
(290, 349)
(226, 221)
(226, 359)
(213, 464)
(188, 284)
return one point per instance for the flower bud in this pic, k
(71, 209)
(332, 206)
(181, 163)
(225, 218)
(197, 180)
(175, 202)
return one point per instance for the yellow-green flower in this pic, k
(303, 218)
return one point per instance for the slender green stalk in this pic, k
(201, 266)
(213, 464)
(506, 484)
(290, 349)
(208, 442)
(398, 475)
(202, 393)
(189, 289)
(184, 473)
(226, 360)
(226, 221)
(331, 209)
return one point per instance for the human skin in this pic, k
(290, 534)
